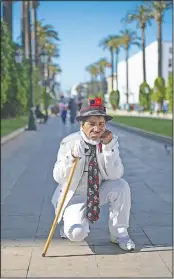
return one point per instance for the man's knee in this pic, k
(124, 185)
(76, 232)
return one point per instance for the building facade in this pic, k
(135, 64)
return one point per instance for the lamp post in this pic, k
(32, 118)
(18, 56)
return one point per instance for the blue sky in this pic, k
(81, 25)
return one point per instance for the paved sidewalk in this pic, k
(27, 213)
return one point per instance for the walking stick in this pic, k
(60, 207)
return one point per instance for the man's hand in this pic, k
(106, 137)
(79, 149)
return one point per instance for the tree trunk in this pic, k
(144, 53)
(26, 29)
(8, 15)
(29, 46)
(23, 14)
(127, 76)
(112, 68)
(34, 31)
(159, 49)
(117, 58)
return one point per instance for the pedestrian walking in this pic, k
(73, 110)
(97, 179)
(64, 114)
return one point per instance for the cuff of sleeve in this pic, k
(111, 145)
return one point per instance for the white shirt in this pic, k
(83, 184)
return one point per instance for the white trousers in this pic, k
(117, 195)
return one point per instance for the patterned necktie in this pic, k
(93, 208)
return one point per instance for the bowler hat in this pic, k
(93, 107)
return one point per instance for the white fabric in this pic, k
(116, 194)
(85, 138)
(83, 184)
(109, 162)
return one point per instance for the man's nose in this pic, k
(96, 128)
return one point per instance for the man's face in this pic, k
(94, 127)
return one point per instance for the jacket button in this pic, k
(112, 150)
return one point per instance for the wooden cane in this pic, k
(60, 207)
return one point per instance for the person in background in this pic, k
(165, 107)
(39, 114)
(64, 114)
(73, 109)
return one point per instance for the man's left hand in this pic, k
(106, 137)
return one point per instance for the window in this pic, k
(170, 50)
(170, 63)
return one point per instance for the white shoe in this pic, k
(62, 234)
(125, 243)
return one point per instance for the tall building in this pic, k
(135, 64)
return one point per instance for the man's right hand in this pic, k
(79, 149)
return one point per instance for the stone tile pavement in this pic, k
(27, 213)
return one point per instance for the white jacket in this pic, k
(109, 163)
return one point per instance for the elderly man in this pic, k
(96, 181)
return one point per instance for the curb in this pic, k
(12, 135)
(159, 138)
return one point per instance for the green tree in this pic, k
(141, 17)
(93, 70)
(169, 91)
(158, 9)
(106, 43)
(6, 52)
(128, 38)
(158, 94)
(102, 64)
(114, 99)
(8, 16)
(115, 41)
(145, 96)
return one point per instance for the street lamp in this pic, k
(44, 60)
(18, 56)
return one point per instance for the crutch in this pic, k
(60, 207)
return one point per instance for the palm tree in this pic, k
(93, 71)
(45, 34)
(46, 37)
(25, 28)
(158, 9)
(107, 44)
(34, 6)
(102, 64)
(8, 15)
(53, 70)
(116, 43)
(141, 17)
(128, 38)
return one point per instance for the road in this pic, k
(27, 186)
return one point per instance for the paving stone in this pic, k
(160, 235)
(19, 222)
(147, 264)
(14, 273)
(15, 257)
(63, 261)
(167, 258)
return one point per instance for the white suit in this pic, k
(113, 189)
